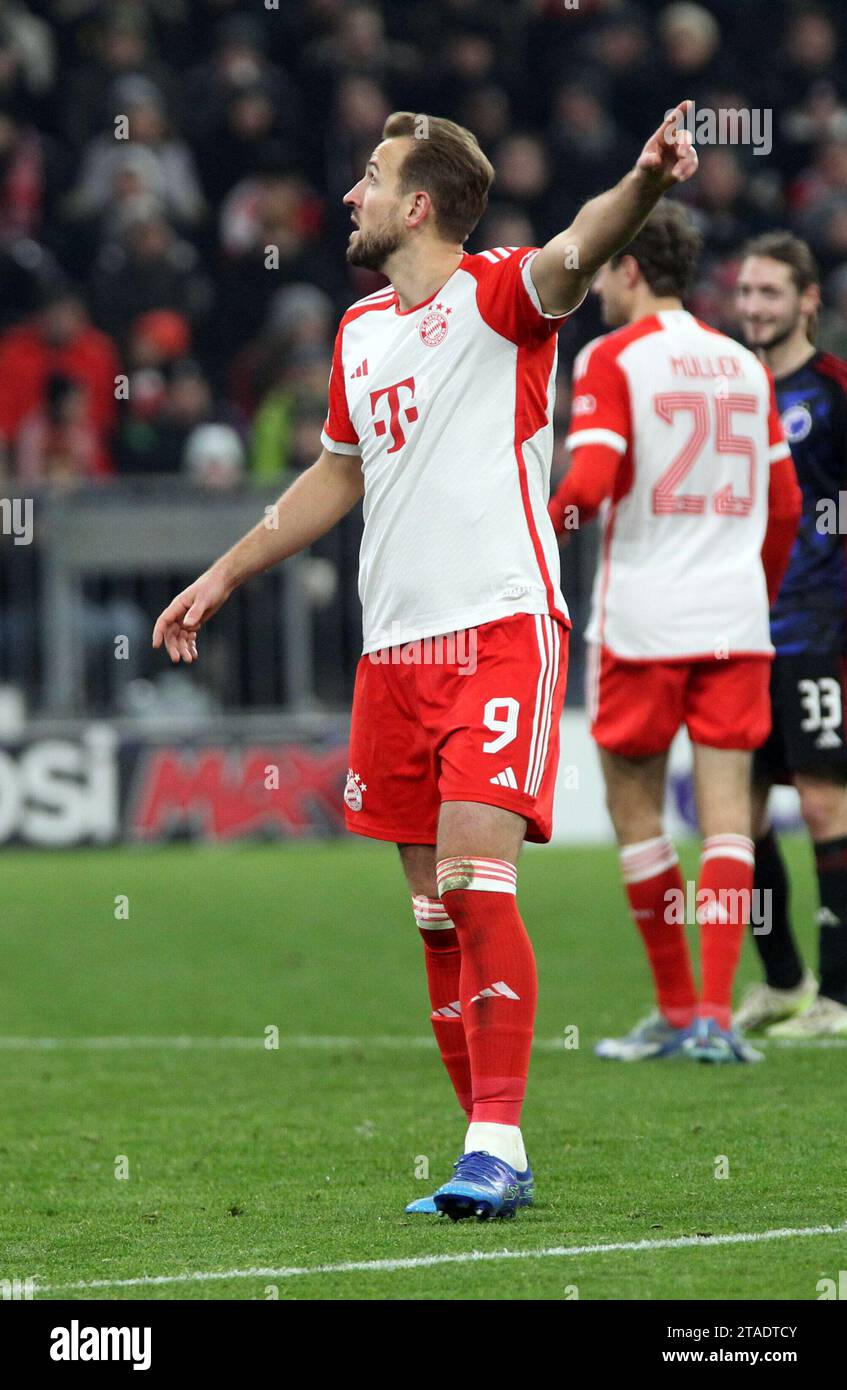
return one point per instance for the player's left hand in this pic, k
(669, 156)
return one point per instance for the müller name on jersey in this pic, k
(711, 367)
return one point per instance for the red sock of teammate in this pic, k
(498, 985)
(650, 872)
(443, 960)
(723, 911)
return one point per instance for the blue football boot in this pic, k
(481, 1186)
(652, 1037)
(425, 1206)
(706, 1042)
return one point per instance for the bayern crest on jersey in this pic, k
(433, 327)
(353, 791)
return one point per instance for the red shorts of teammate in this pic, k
(472, 716)
(636, 707)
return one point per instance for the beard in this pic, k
(372, 249)
(777, 336)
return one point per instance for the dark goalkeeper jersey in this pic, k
(810, 614)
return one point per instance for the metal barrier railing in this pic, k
(102, 562)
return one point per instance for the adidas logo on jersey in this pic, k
(828, 738)
(506, 778)
(500, 990)
(361, 370)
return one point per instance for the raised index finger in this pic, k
(676, 117)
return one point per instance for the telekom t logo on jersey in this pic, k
(395, 409)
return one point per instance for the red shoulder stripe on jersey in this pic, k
(710, 328)
(621, 338)
(363, 306)
(624, 480)
(834, 367)
(337, 425)
(532, 372)
(606, 573)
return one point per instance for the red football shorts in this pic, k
(471, 716)
(636, 707)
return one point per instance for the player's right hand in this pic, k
(669, 155)
(178, 624)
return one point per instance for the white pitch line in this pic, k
(313, 1042)
(430, 1261)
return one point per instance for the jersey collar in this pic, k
(404, 313)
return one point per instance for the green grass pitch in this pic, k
(247, 1157)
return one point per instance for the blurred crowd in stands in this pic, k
(152, 153)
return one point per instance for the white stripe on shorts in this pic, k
(547, 635)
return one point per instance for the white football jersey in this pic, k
(450, 405)
(693, 415)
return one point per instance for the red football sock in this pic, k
(650, 872)
(443, 960)
(724, 896)
(498, 986)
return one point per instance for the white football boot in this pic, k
(824, 1018)
(762, 1004)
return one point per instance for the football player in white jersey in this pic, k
(676, 434)
(440, 416)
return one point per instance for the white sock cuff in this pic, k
(738, 847)
(430, 913)
(647, 859)
(504, 1141)
(484, 875)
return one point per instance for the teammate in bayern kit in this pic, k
(778, 301)
(675, 431)
(440, 407)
